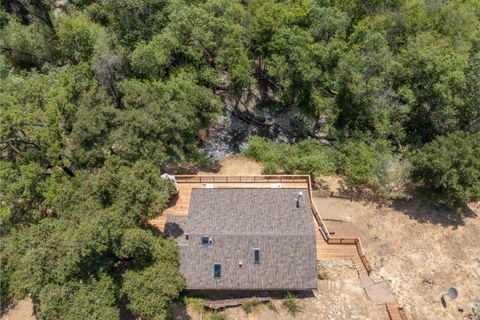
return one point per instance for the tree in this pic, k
(94, 299)
(365, 78)
(447, 170)
(28, 45)
(266, 17)
(37, 114)
(21, 194)
(89, 142)
(161, 120)
(97, 244)
(291, 63)
(327, 22)
(431, 78)
(209, 36)
(471, 111)
(134, 20)
(454, 20)
(78, 37)
(150, 290)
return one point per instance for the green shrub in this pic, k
(291, 304)
(305, 157)
(322, 275)
(219, 316)
(271, 306)
(391, 177)
(357, 161)
(196, 303)
(447, 170)
(249, 305)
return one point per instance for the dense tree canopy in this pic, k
(448, 169)
(97, 95)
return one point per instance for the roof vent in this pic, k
(300, 195)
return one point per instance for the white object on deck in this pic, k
(207, 186)
(276, 185)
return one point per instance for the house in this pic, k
(246, 238)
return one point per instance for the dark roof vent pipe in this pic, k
(300, 195)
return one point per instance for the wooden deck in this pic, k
(330, 251)
(328, 247)
(180, 204)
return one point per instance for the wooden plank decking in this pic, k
(394, 312)
(329, 251)
(180, 204)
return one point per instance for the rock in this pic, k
(232, 131)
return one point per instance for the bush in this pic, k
(219, 316)
(305, 157)
(196, 303)
(447, 170)
(391, 177)
(249, 306)
(271, 306)
(291, 304)
(357, 161)
(322, 275)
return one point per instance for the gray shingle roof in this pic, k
(238, 221)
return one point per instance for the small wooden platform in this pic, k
(329, 251)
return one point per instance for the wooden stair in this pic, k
(394, 312)
(359, 265)
(329, 251)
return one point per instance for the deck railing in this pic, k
(338, 240)
(242, 179)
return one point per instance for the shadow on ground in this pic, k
(124, 313)
(425, 213)
(178, 311)
(415, 208)
(7, 304)
(222, 295)
(192, 168)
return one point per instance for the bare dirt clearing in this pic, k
(237, 166)
(419, 249)
(21, 310)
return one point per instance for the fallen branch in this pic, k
(335, 220)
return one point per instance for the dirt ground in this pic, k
(340, 296)
(236, 166)
(21, 310)
(419, 249)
